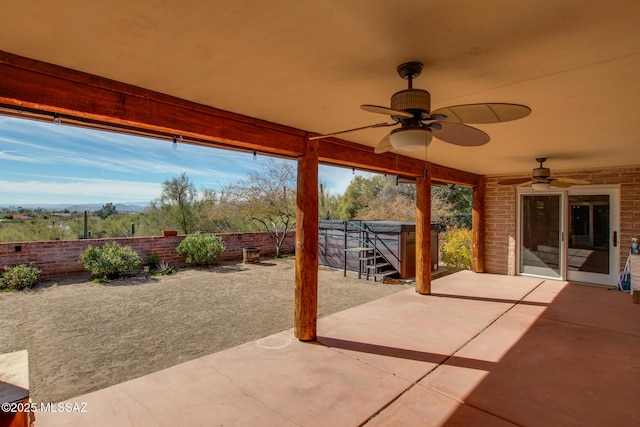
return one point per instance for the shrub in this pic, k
(200, 249)
(153, 261)
(456, 248)
(110, 261)
(18, 277)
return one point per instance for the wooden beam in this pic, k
(351, 155)
(423, 235)
(477, 221)
(344, 153)
(88, 99)
(35, 85)
(306, 295)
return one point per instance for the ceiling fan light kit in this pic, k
(540, 186)
(411, 109)
(410, 139)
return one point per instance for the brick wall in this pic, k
(60, 257)
(500, 211)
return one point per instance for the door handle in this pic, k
(615, 239)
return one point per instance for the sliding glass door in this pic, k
(540, 235)
(570, 235)
(592, 244)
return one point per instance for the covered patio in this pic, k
(472, 348)
(483, 349)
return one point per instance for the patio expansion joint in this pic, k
(417, 382)
(249, 396)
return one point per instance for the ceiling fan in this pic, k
(411, 109)
(541, 179)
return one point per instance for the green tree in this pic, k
(459, 200)
(328, 203)
(381, 198)
(358, 195)
(106, 211)
(179, 202)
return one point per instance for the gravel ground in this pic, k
(83, 336)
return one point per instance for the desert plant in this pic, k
(456, 248)
(18, 277)
(200, 249)
(110, 261)
(163, 269)
(153, 261)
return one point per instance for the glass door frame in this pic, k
(613, 191)
(614, 258)
(528, 191)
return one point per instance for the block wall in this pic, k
(60, 257)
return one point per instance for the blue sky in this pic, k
(41, 163)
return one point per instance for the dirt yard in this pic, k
(83, 336)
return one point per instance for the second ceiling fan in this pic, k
(411, 109)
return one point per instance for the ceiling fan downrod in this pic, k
(409, 71)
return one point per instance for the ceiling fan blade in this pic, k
(384, 145)
(459, 134)
(377, 125)
(514, 181)
(572, 181)
(483, 113)
(558, 183)
(384, 110)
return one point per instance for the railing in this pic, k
(363, 235)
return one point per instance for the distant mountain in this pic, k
(120, 207)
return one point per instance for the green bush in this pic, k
(153, 261)
(18, 277)
(456, 248)
(110, 261)
(200, 249)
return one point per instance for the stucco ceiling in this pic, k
(310, 64)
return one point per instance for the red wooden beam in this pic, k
(89, 99)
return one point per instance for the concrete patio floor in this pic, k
(483, 350)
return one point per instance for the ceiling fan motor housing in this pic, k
(541, 173)
(411, 100)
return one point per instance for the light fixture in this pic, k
(541, 186)
(353, 171)
(410, 138)
(175, 141)
(56, 119)
(255, 155)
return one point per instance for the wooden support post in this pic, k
(423, 235)
(477, 226)
(306, 298)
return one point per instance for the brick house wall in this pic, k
(500, 214)
(60, 257)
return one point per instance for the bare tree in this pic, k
(268, 197)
